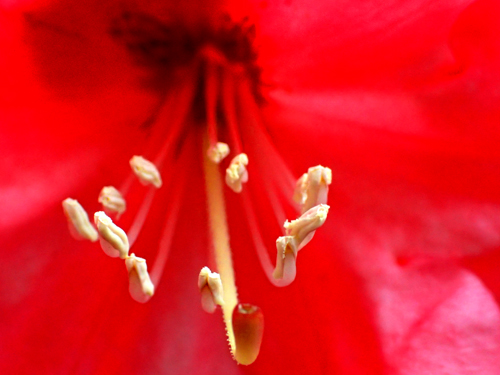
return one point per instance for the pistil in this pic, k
(220, 240)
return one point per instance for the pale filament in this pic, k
(260, 247)
(258, 138)
(127, 184)
(78, 221)
(173, 112)
(112, 200)
(211, 96)
(258, 142)
(229, 108)
(216, 151)
(140, 217)
(165, 242)
(298, 233)
(170, 220)
(176, 115)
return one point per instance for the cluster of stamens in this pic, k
(226, 90)
(113, 239)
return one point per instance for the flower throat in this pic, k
(211, 91)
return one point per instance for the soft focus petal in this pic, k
(320, 44)
(66, 309)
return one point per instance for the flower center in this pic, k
(169, 47)
(215, 85)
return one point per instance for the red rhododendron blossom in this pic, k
(267, 187)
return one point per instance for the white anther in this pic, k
(146, 172)
(304, 227)
(211, 290)
(112, 200)
(237, 174)
(114, 241)
(286, 247)
(312, 187)
(300, 192)
(78, 221)
(141, 287)
(218, 152)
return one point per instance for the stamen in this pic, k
(286, 259)
(211, 94)
(248, 325)
(258, 139)
(114, 241)
(141, 216)
(112, 200)
(146, 171)
(237, 173)
(166, 237)
(260, 247)
(229, 109)
(180, 104)
(220, 237)
(78, 221)
(210, 286)
(140, 286)
(312, 188)
(305, 226)
(218, 152)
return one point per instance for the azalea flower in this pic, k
(399, 99)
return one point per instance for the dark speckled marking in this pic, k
(154, 44)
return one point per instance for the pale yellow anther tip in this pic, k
(78, 221)
(312, 187)
(286, 257)
(236, 173)
(218, 152)
(141, 287)
(305, 226)
(146, 172)
(112, 200)
(114, 241)
(210, 286)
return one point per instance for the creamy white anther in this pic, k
(141, 287)
(146, 172)
(78, 221)
(210, 286)
(286, 247)
(237, 174)
(218, 152)
(113, 239)
(304, 227)
(312, 187)
(112, 200)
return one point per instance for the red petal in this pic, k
(320, 44)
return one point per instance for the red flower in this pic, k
(400, 99)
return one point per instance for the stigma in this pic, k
(213, 116)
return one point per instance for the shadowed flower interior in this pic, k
(210, 111)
